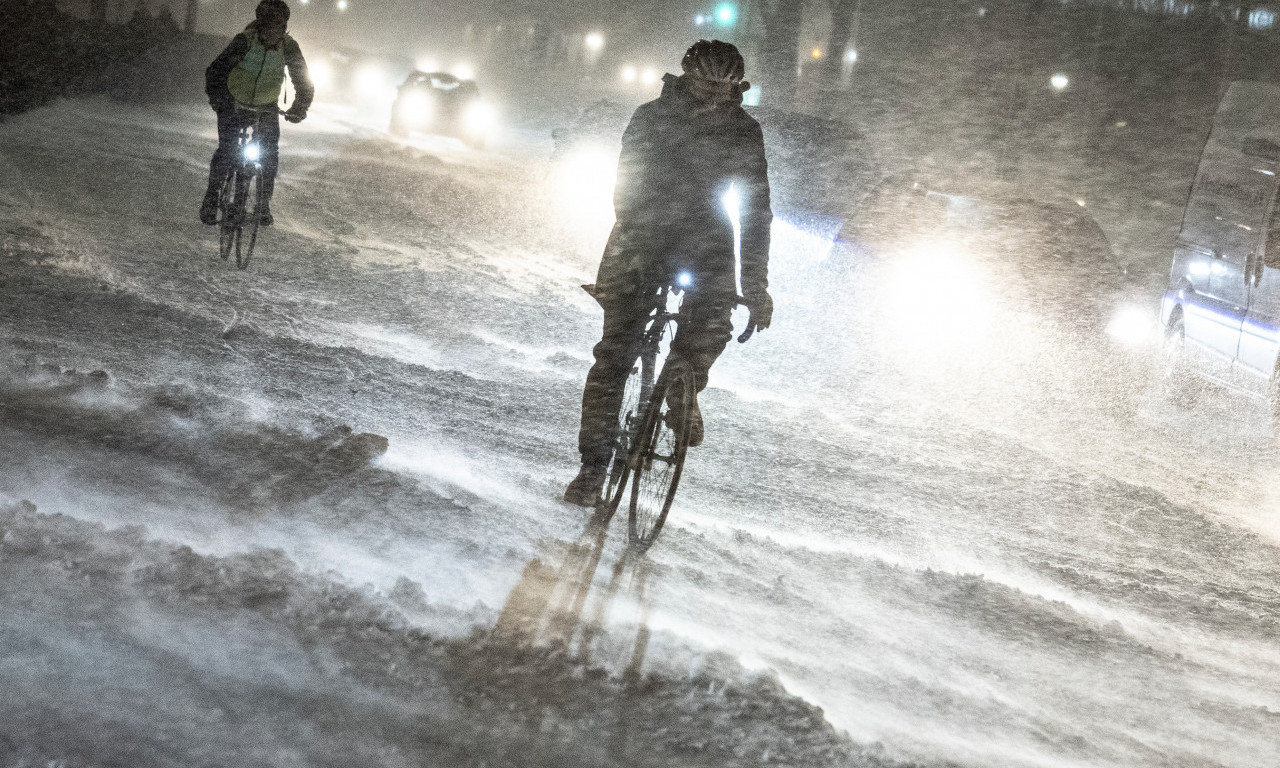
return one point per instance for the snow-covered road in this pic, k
(993, 551)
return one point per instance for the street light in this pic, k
(699, 20)
(1059, 81)
(594, 41)
(342, 5)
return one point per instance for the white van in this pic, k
(1221, 312)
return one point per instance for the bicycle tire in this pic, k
(635, 392)
(657, 459)
(252, 207)
(228, 222)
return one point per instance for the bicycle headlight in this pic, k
(684, 279)
(252, 152)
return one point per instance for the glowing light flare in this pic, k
(371, 79)
(937, 302)
(851, 56)
(1134, 326)
(464, 71)
(252, 152)
(583, 186)
(341, 5)
(415, 109)
(594, 41)
(733, 209)
(816, 53)
(629, 74)
(648, 76)
(1059, 82)
(699, 20)
(480, 117)
(427, 64)
(321, 75)
(684, 279)
(726, 13)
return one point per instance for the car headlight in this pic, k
(480, 117)
(415, 108)
(252, 152)
(1133, 326)
(936, 300)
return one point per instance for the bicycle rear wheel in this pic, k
(637, 390)
(250, 194)
(657, 459)
(229, 221)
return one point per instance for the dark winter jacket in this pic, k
(249, 73)
(679, 159)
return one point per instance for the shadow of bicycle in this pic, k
(561, 603)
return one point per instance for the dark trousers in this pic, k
(229, 124)
(705, 328)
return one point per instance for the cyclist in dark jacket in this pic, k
(681, 155)
(250, 73)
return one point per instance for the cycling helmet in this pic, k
(272, 10)
(713, 60)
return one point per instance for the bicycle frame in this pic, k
(242, 189)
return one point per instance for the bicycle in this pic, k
(652, 433)
(240, 201)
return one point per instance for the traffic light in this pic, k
(727, 14)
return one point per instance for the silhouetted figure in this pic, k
(164, 27)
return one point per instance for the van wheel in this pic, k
(1180, 384)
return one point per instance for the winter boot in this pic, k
(585, 489)
(209, 206)
(696, 431)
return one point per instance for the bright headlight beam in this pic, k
(684, 279)
(1132, 326)
(480, 116)
(252, 152)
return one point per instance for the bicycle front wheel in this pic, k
(229, 220)
(657, 459)
(635, 392)
(251, 195)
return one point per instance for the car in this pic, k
(1046, 257)
(443, 104)
(1221, 310)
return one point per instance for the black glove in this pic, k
(295, 115)
(761, 306)
(221, 105)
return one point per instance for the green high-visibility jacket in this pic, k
(249, 73)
